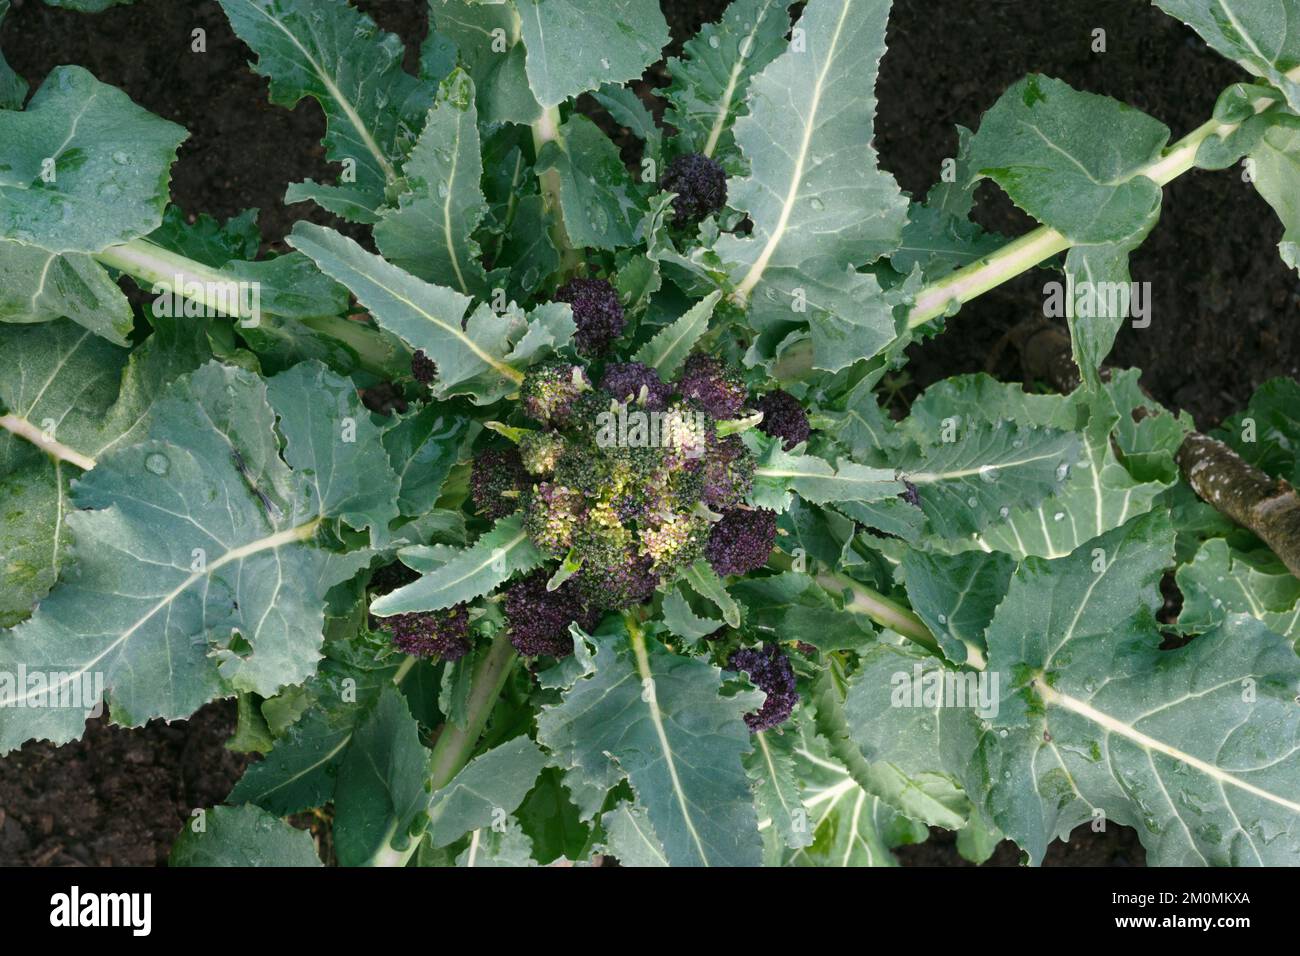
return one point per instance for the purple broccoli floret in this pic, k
(700, 185)
(717, 389)
(423, 368)
(496, 479)
(539, 619)
(620, 587)
(784, 418)
(550, 391)
(428, 633)
(597, 312)
(741, 541)
(770, 671)
(728, 473)
(624, 379)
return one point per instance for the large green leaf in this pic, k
(83, 168)
(661, 719)
(91, 398)
(1220, 581)
(428, 232)
(1040, 143)
(818, 202)
(956, 595)
(1097, 299)
(37, 286)
(243, 836)
(1198, 748)
(711, 80)
(1261, 35)
(578, 45)
(328, 50)
(198, 575)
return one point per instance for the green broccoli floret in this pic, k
(540, 451)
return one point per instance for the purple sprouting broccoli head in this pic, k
(550, 391)
(539, 619)
(770, 671)
(716, 388)
(700, 185)
(429, 633)
(784, 418)
(597, 312)
(624, 380)
(496, 479)
(741, 541)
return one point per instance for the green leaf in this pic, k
(500, 81)
(849, 826)
(1267, 432)
(382, 796)
(771, 770)
(661, 718)
(89, 396)
(1194, 747)
(1276, 160)
(83, 168)
(490, 786)
(552, 821)
(423, 448)
(428, 232)
(243, 836)
(328, 50)
(706, 583)
(671, 344)
(956, 595)
(1097, 301)
(509, 846)
(559, 34)
(681, 619)
(965, 484)
(197, 572)
(473, 358)
(630, 838)
(302, 768)
(792, 605)
(819, 203)
(37, 286)
(13, 88)
(781, 474)
(1220, 581)
(464, 573)
(1261, 35)
(1040, 143)
(711, 81)
(601, 204)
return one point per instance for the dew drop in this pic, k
(121, 158)
(1059, 516)
(604, 63)
(817, 204)
(1002, 733)
(157, 463)
(1004, 511)
(972, 501)
(989, 473)
(1062, 470)
(714, 42)
(943, 618)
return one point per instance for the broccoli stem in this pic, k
(455, 744)
(866, 601)
(155, 267)
(1034, 247)
(546, 129)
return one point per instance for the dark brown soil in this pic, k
(1224, 319)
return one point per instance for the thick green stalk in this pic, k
(456, 744)
(1041, 244)
(546, 129)
(866, 601)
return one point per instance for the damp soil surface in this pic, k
(1223, 319)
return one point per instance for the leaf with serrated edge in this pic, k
(243, 836)
(111, 162)
(662, 719)
(668, 349)
(495, 781)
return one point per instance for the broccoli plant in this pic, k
(542, 508)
